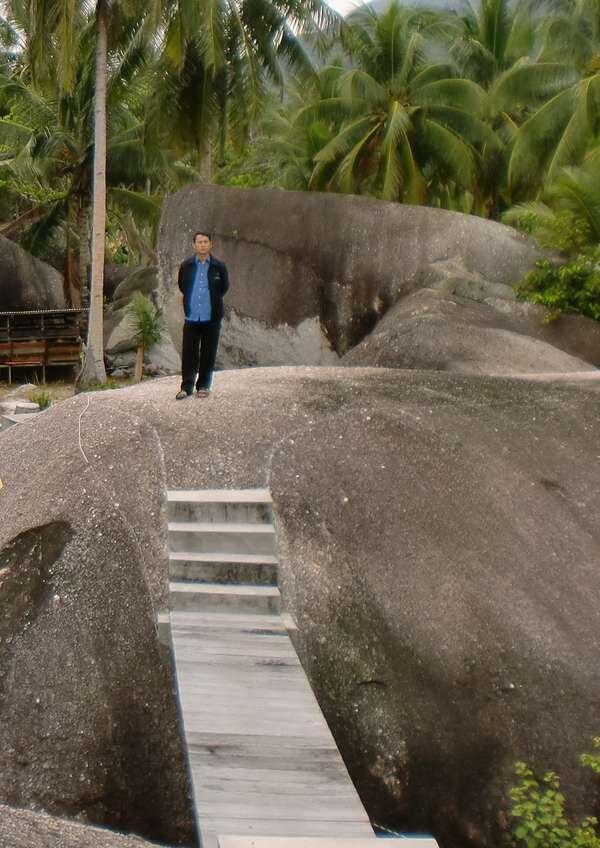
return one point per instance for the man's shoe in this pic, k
(202, 393)
(181, 395)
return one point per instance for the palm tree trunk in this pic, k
(139, 364)
(93, 370)
(83, 236)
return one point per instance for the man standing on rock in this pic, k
(203, 280)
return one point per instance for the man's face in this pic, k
(202, 245)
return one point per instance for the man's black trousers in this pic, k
(198, 354)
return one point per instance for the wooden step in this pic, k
(224, 568)
(220, 512)
(219, 496)
(222, 537)
(216, 596)
(220, 527)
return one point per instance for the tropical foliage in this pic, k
(148, 326)
(495, 111)
(566, 218)
(201, 68)
(538, 810)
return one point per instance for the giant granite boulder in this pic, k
(439, 541)
(312, 274)
(27, 282)
(432, 330)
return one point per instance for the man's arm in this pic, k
(180, 278)
(224, 279)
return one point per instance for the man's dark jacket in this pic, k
(218, 283)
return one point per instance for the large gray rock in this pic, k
(113, 275)
(161, 360)
(311, 273)
(430, 330)
(119, 335)
(27, 282)
(30, 829)
(439, 540)
(144, 280)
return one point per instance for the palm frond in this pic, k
(473, 130)
(143, 206)
(345, 175)
(456, 93)
(530, 84)
(578, 189)
(13, 134)
(398, 126)
(450, 150)
(331, 109)
(538, 137)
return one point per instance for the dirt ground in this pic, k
(59, 390)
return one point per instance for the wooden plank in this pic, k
(321, 842)
(261, 754)
(220, 527)
(234, 496)
(287, 827)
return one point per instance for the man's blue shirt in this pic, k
(199, 303)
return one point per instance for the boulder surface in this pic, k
(27, 282)
(312, 274)
(30, 829)
(432, 330)
(439, 543)
(119, 335)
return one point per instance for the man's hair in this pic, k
(202, 233)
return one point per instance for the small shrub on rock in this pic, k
(41, 397)
(572, 287)
(538, 810)
(148, 324)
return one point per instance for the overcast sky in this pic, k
(344, 5)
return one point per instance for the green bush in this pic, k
(538, 810)
(572, 287)
(41, 397)
(149, 326)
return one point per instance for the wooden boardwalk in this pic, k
(262, 759)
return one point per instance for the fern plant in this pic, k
(149, 326)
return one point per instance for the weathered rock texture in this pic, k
(88, 724)
(119, 336)
(113, 276)
(311, 274)
(430, 330)
(27, 282)
(29, 829)
(439, 539)
(144, 280)
(571, 333)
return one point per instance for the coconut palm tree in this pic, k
(567, 214)
(558, 133)
(209, 51)
(48, 148)
(403, 123)
(512, 50)
(218, 60)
